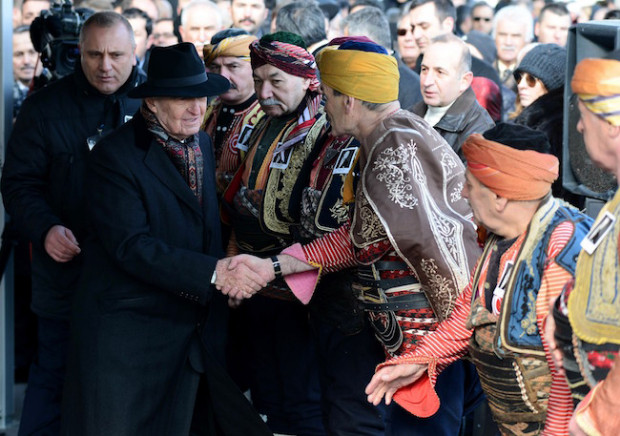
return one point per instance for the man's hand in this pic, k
(389, 379)
(60, 244)
(238, 282)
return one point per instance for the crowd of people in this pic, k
(248, 217)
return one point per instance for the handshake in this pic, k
(240, 277)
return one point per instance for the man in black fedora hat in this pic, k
(148, 322)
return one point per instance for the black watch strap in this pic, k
(276, 267)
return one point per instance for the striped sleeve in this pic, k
(560, 406)
(332, 252)
(445, 345)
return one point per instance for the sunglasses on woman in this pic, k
(403, 32)
(529, 79)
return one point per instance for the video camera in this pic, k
(55, 34)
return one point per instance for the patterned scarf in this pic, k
(185, 155)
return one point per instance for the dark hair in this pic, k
(613, 14)
(443, 8)
(303, 18)
(370, 22)
(139, 13)
(555, 8)
(107, 19)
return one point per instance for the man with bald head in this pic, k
(450, 105)
(43, 190)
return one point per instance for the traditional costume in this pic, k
(230, 126)
(410, 236)
(258, 203)
(591, 341)
(498, 318)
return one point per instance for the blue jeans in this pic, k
(41, 411)
(459, 392)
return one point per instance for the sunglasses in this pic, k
(529, 79)
(403, 32)
(485, 19)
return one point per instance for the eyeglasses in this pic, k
(485, 19)
(529, 79)
(403, 32)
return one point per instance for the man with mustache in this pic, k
(409, 239)
(250, 15)
(512, 30)
(24, 64)
(231, 117)
(283, 376)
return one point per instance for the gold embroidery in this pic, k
(441, 289)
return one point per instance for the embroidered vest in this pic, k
(594, 303)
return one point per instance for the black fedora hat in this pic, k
(178, 71)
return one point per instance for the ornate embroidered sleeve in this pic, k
(445, 345)
(330, 253)
(553, 280)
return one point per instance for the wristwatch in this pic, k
(276, 267)
(214, 277)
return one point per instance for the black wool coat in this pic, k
(148, 328)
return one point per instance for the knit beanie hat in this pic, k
(546, 62)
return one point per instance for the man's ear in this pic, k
(349, 104)
(500, 203)
(466, 80)
(448, 24)
(150, 104)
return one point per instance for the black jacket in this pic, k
(44, 174)
(146, 320)
(464, 117)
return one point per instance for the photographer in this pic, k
(43, 191)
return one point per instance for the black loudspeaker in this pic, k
(593, 39)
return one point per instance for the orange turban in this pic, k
(597, 83)
(509, 172)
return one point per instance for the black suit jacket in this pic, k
(147, 322)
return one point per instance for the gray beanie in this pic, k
(546, 62)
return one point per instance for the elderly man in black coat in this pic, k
(148, 323)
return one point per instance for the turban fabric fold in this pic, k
(236, 46)
(368, 75)
(510, 173)
(597, 84)
(290, 58)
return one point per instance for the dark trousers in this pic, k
(346, 365)
(41, 411)
(284, 380)
(459, 392)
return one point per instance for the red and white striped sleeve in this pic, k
(560, 405)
